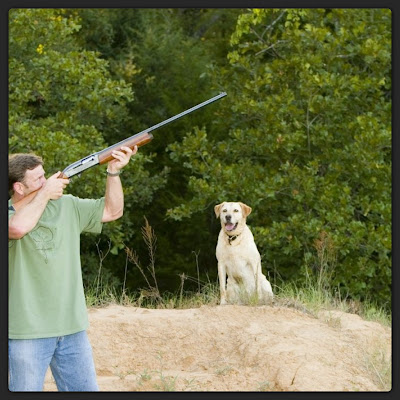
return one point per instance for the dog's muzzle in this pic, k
(229, 226)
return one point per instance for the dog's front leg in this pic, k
(222, 282)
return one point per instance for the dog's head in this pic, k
(233, 216)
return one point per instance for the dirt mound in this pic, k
(233, 348)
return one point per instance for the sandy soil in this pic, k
(234, 348)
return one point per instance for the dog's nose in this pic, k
(228, 218)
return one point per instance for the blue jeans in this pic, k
(69, 357)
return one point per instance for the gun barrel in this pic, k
(204, 103)
(132, 139)
(139, 139)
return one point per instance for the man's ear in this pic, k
(246, 210)
(17, 186)
(217, 209)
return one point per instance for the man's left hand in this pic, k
(121, 158)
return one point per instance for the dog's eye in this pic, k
(224, 210)
(235, 210)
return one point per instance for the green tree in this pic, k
(309, 144)
(63, 104)
(164, 54)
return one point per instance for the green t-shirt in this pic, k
(45, 289)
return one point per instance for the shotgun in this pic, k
(104, 156)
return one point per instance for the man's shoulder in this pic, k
(66, 199)
(75, 201)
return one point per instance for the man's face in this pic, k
(34, 179)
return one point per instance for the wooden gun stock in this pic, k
(136, 140)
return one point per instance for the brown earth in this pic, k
(235, 348)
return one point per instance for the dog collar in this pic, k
(231, 238)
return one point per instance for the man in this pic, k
(47, 310)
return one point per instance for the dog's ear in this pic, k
(217, 209)
(246, 210)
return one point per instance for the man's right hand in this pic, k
(54, 186)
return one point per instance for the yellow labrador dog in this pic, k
(238, 258)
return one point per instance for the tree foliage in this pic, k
(62, 103)
(307, 143)
(303, 137)
(165, 54)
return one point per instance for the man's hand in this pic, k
(121, 158)
(54, 186)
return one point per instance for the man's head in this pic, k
(25, 173)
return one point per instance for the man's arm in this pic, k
(114, 197)
(26, 218)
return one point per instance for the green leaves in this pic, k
(303, 137)
(63, 104)
(307, 142)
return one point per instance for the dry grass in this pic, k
(378, 364)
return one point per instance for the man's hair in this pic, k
(18, 164)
